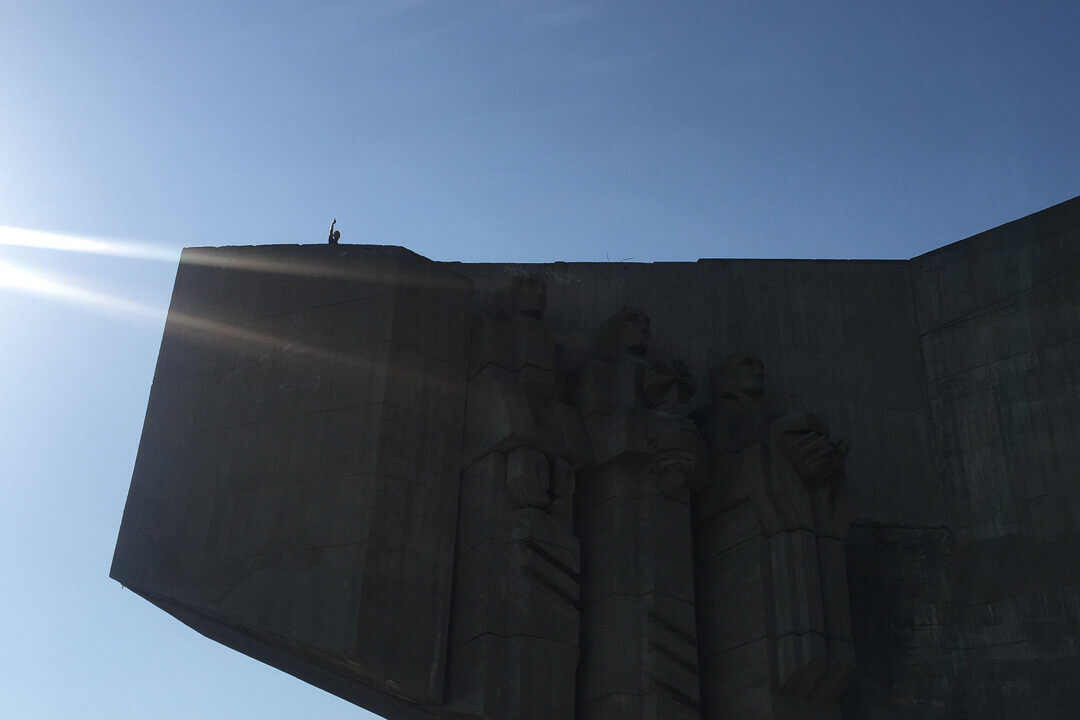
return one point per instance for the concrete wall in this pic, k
(838, 338)
(999, 323)
(295, 494)
(285, 500)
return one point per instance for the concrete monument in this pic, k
(771, 489)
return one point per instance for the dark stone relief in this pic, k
(639, 638)
(772, 581)
(437, 498)
(618, 558)
(515, 620)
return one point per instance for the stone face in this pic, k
(616, 490)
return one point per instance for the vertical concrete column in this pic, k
(639, 640)
(514, 623)
(774, 614)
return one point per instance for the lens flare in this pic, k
(243, 341)
(321, 262)
(331, 262)
(41, 240)
(13, 277)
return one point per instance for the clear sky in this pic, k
(502, 130)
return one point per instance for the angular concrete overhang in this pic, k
(295, 493)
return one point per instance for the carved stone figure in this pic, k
(771, 579)
(639, 653)
(514, 618)
(306, 492)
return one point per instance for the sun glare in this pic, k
(39, 239)
(243, 340)
(23, 280)
(13, 277)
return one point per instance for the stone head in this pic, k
(633, 329)
(527, 296)
(740, 377)
(626, 332)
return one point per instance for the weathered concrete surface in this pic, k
(837, 337)
(515, 620)
(999, 322)
(905, 662)
(285, 500)
(301, 465)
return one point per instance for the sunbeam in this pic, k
(242, 340)
(18, 279)
(247, 341)
(313, 260)
(41, 240)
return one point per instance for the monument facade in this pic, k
(766, 489)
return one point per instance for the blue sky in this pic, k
(506, 130)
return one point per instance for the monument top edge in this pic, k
(344, 249)
(1066, 212)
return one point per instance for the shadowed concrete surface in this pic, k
(999, 324)
(297, 482)
(656, 516)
